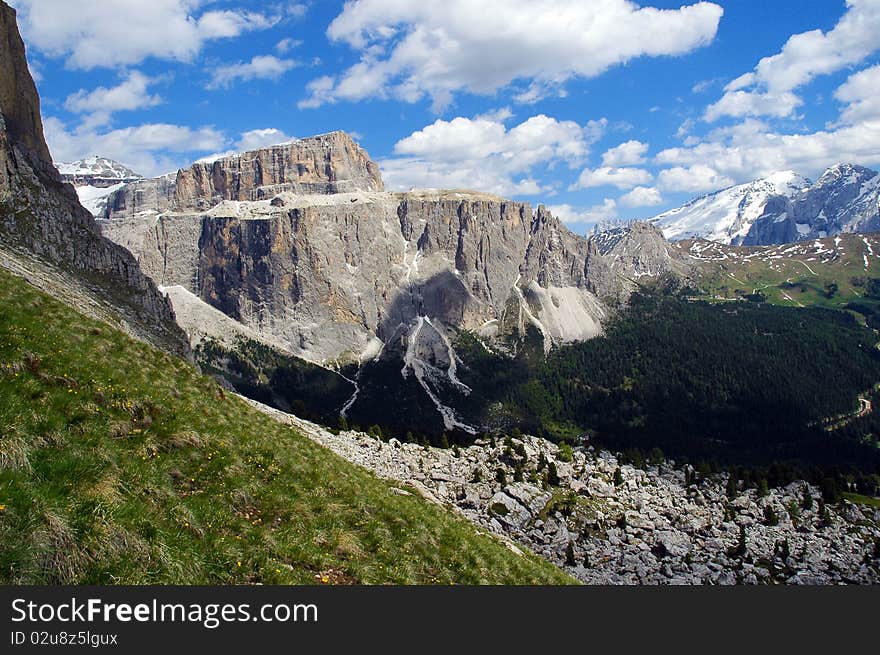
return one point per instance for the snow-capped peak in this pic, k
(845, 173)
(96, 167)
(781, 208)
(785, 183)
(727, 215)
(95, 179)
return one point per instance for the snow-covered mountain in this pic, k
(95, 178)
(781, 208)
(727, 216)
(96, 171)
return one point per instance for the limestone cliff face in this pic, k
(41, 218)
(337, 277)
(325, 164)
(378, 279)
(18, 96)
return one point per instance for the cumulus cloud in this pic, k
(262, 67)
(286, 45)
(861, 92)
(629, 153)
(150, 149)
(751, 149)
(251, 140)
(622, 178)
(255, 139)
(437, 48)
(692, 179)
(98, 105)
(767, 91)
(482, 153)
(583, 219)
(112, 33)
(641, 197)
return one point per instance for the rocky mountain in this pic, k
(95, 178)
(326, 164)
(334, 275)
(299, 243)
(45, 234)
(781, 208)
(846, 198)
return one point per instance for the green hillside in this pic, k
(121, 464)
(832, 272)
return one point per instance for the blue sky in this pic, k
(601, 110)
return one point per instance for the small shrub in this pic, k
(565, 454)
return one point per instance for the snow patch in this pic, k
(94, 199)
(424, 371)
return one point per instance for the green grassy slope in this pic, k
(830, 272)
(121, 464)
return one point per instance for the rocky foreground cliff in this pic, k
(45, 234)
(606, 522)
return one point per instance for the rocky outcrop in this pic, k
(324, 164)
(146, 196)
(40, 216)
(606, 522)
(19, 100)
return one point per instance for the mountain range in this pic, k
(781, 208)
(461, 319)
(300, 243)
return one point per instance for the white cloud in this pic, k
(692, 179)
(251, 140)
(704, 85)
(113, 33)
(768, 90)
(629, 153)
(297, 9)
(227, 24)
(320, 91)
(602, 213)
(482, 153)
(752, 103)
(437, 48)
(286, 45)
(862, 94)
(685, 128)
(150, 149)
(256, 139)
(622, 178)
(99, 104)
(642, 197)
(262, 67)
(751, 149)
